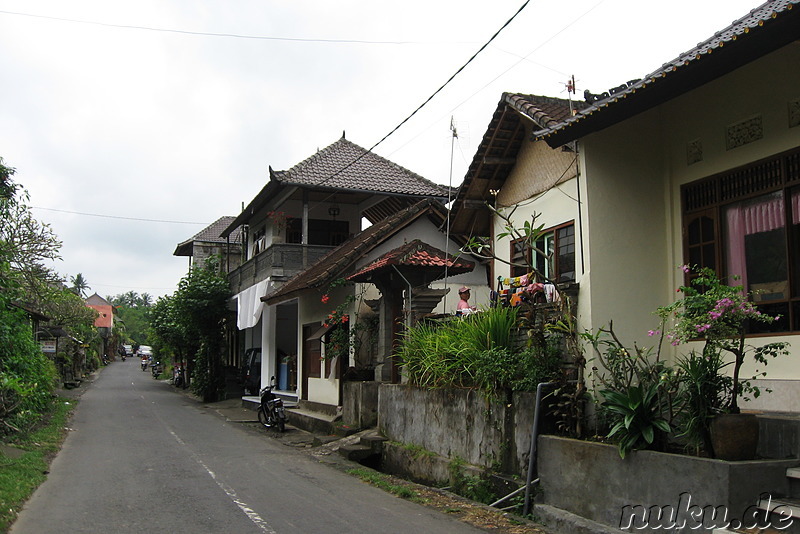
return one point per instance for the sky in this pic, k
(133, 125)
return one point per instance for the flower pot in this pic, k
(735, 436)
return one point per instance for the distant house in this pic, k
(208, 243)
(303, 232)
(104, 323)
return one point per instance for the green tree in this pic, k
(79, 285)
(27, 376)
(201, 302)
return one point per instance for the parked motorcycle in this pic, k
(271, 412)
(178, 377)
(155, 368)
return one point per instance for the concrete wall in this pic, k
(360, 404)
(591, 480)
(459, 423)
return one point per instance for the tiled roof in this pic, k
(210, 234)
(334, 264)
(766, 28)
(496, 155)
(345, 165)
(415, 254)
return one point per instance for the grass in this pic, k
(386, 483)
(19, 477)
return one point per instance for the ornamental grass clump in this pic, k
(719, 314)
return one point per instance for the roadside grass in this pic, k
(20, 476)
(386, 483)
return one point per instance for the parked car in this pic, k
(251, 371)
(145, 351)
(128, 350)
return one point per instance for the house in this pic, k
(515, 177)
(393, 267)
(104, 323)
(208, 243)
(696, 163)
(292, 229)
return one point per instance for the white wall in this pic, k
(633, 172)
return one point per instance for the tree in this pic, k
(79, 285)
(27, 376)
(201, 303)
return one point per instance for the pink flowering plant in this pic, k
(719, 314)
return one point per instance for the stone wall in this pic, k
(459, 423)
(591, 480)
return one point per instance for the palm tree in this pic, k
(146, 299)
(79, 285)
(131, 298)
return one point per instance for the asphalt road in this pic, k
(142, 457)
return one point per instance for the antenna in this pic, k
(449, 206)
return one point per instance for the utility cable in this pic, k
(214, 34)
(117, 216)
(427, 100)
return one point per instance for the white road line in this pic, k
(244, 507)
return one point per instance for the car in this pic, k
(128, 350)
(251, 371)
(145, 351)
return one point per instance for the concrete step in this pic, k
(356, 452)
(793, 472)
(783, 511)
(374, 442)
(314, 422)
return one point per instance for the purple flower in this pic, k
(685, 268)
(702, 327)
(652, 333)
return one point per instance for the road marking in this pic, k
(243, 506)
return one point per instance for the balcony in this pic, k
(280, 262)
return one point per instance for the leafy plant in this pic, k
(719, 314)
(638, 416)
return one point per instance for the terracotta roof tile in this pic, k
(415, 254)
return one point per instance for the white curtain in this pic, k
(249, 305)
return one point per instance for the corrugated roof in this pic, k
(764, 29)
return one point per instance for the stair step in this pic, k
(374, 442)
(356, 452)
(793, 472)
(782, 506)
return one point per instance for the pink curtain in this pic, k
(752, 217)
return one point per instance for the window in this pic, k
(320, 232)
(745, 224)
(554, 258)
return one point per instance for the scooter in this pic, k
(155, 368)
(144, 364)
(271, 412)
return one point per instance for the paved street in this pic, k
(142, 457)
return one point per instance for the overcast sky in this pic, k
(129, 109)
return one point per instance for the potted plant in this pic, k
(718, 314)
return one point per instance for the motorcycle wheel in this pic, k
(264, 418)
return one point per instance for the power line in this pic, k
(117, 216)
(215, 34)
(427, 100)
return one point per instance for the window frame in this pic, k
(708, 198)
(526, 254)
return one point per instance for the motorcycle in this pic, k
(144, 364)
(271, 412)
(155, 368)
(178, 377)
